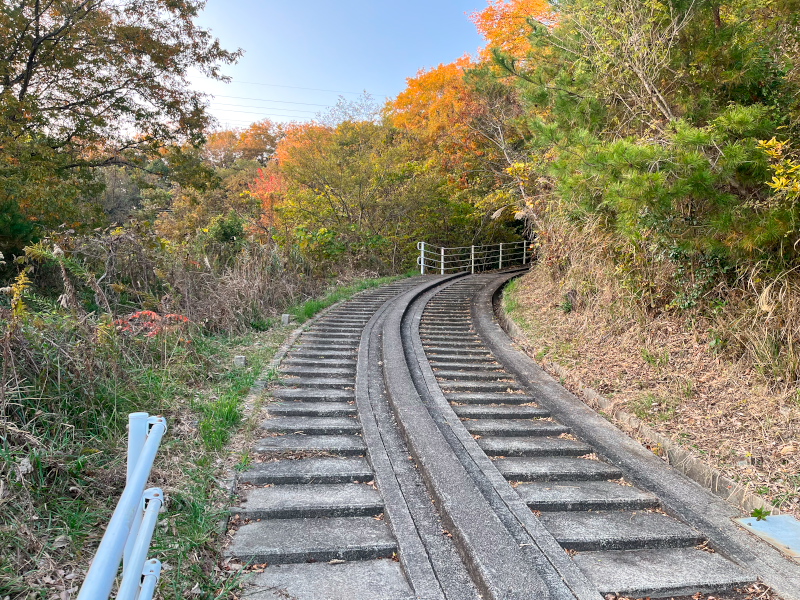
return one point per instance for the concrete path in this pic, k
(412, 453)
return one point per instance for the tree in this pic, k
(360, 194)
(84, 83)
(257, 142)
(102, 75)
(506, 25)
(471, 122)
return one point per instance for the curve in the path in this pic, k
(412, 452)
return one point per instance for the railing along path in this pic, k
(130, 530)
(475, 259)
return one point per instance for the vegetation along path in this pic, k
(412, 452)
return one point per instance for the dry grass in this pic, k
(710, 381)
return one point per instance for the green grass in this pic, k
(59, 505)
(650, 407)
(655, 359)
(303, 312)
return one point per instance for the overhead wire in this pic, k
(266, 100)
(294, 87)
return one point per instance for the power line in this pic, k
(250, 121)
(265, 100)
(250, 112)
(213, 104)
(294, 87)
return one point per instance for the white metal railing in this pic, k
(437, 259)
(130, 530)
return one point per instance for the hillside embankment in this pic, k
(668, 372)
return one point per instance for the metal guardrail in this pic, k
(437, 259)
(130, 530)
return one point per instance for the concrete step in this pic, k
(324, 343)
(494, 411)
(663, 573)
(478, 365)
(319, 362)
(312, 425)
(311, 371)
(323, 353)
(585, 495)
(308, 470)
(341, 321)
(380, 579)
(354, 317)
(315, 394)
(481, 398)
(318, 382)
(313, 409)
(437, 353)
(479, 358)
(479, 386)
(345, 339)
(451, 342)
(341, 332)
(618, 530)
(460, 318)
(310, 500)
(533, 446)
(514, 427)
(281, 541)
(340, 445)
(555, 469)
(472, 375)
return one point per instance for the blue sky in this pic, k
(329, 49)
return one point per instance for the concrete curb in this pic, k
(676, 455)
(411, 550)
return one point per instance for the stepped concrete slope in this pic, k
(412, 453)
(308, 507)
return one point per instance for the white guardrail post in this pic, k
(501, 257)
(131, 527)
(421, 247)
(524, 252)
(442, 260)
(472, 257)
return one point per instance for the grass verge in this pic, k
(309, 308)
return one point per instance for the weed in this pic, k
(650, 406)
(566, 305)
(657, 360)
(510, 301)
(244, 462)
(760, 514)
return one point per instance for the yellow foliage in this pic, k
(21, 283)
(785, 168)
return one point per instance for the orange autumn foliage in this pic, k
(256, 142)
(299, 138)
(269, 187)
(504, 24)
(438, 105)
